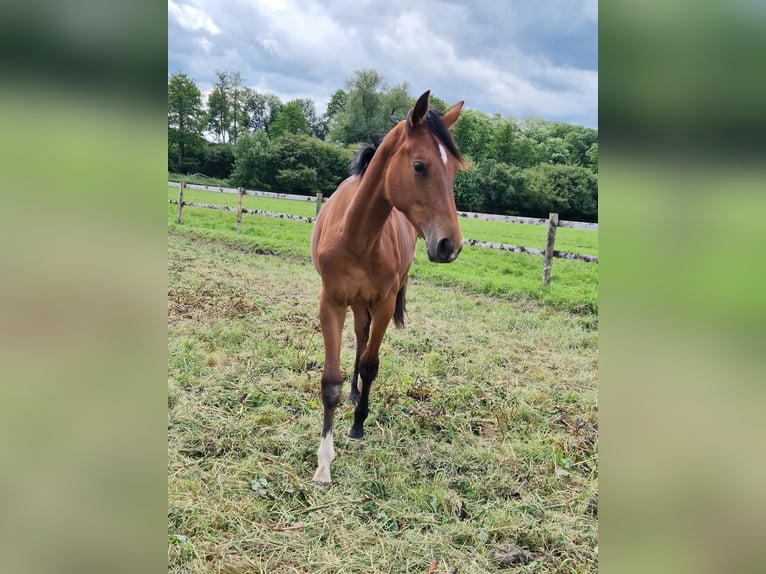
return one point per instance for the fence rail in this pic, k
(466, 214)
(548, 253)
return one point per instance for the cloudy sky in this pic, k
(512, 57)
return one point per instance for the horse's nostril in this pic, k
(444, 249)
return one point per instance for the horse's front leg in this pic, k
(362, 320)
(369, 361)
(331, 317)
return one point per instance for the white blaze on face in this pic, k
(443, 153)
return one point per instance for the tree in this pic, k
(289, 156)
(579, 140)
(184, 114)
(504, 188)
(469, 195)
(525, 151)
(317, 126)
(473, 134)
(219, 118)
(218, 160)
(505, 133)
(397, 101)
(289, 121)
(336, 104)
(569, 190)
(592, 157)
(262, 109)
(557, 150)
(237, 99)
(438, 104)
(250, 157)
(362, 115)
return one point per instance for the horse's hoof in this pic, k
(351, 401)
(356, 434)
(321, 483)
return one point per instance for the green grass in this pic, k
(572, 240)
(515, 276)
(482, 429)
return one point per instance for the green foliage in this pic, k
(184, 117)
(262, 109)
(218, 115)
(250, 155)
(291, 120)
(186, 152)
(490, 187)
(317, 126)
(520, 167)
(592, 157)
(237, 100)
(556, 150)
(218, 160)
(363, 114)
(467, 188)
(438, 104)
(571, 191)
(397, 101)
(473, 134)
(336, 104)
(292, 155)
(302, 180)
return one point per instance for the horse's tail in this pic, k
(401, 302)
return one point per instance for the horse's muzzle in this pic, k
(445, 251)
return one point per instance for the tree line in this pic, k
(252, 139)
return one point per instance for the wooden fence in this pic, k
(548, 253)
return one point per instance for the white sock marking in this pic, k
(325, 455)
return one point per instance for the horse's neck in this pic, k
(369, 209)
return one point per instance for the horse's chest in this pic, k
(370, 283)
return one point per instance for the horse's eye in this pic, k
(418, 166)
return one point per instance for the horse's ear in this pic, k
(420, 110)
(452, 114)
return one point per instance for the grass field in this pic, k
(482, 433)
(574, 284)
(572, 240)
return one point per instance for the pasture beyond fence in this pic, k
(548, 253)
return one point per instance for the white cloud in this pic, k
(514, 58)
(526, 84)
(205, 44)
(191, 18)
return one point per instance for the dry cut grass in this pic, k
(481, 446)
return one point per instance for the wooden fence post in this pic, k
(553, 223)
(240, 191)
(319, 202)
(181, 187)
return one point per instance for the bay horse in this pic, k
(363, 244)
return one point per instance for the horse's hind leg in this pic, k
(362, 321)
(331, 317)
(369, 361)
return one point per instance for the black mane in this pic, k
(434, 122)
(364, 156)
